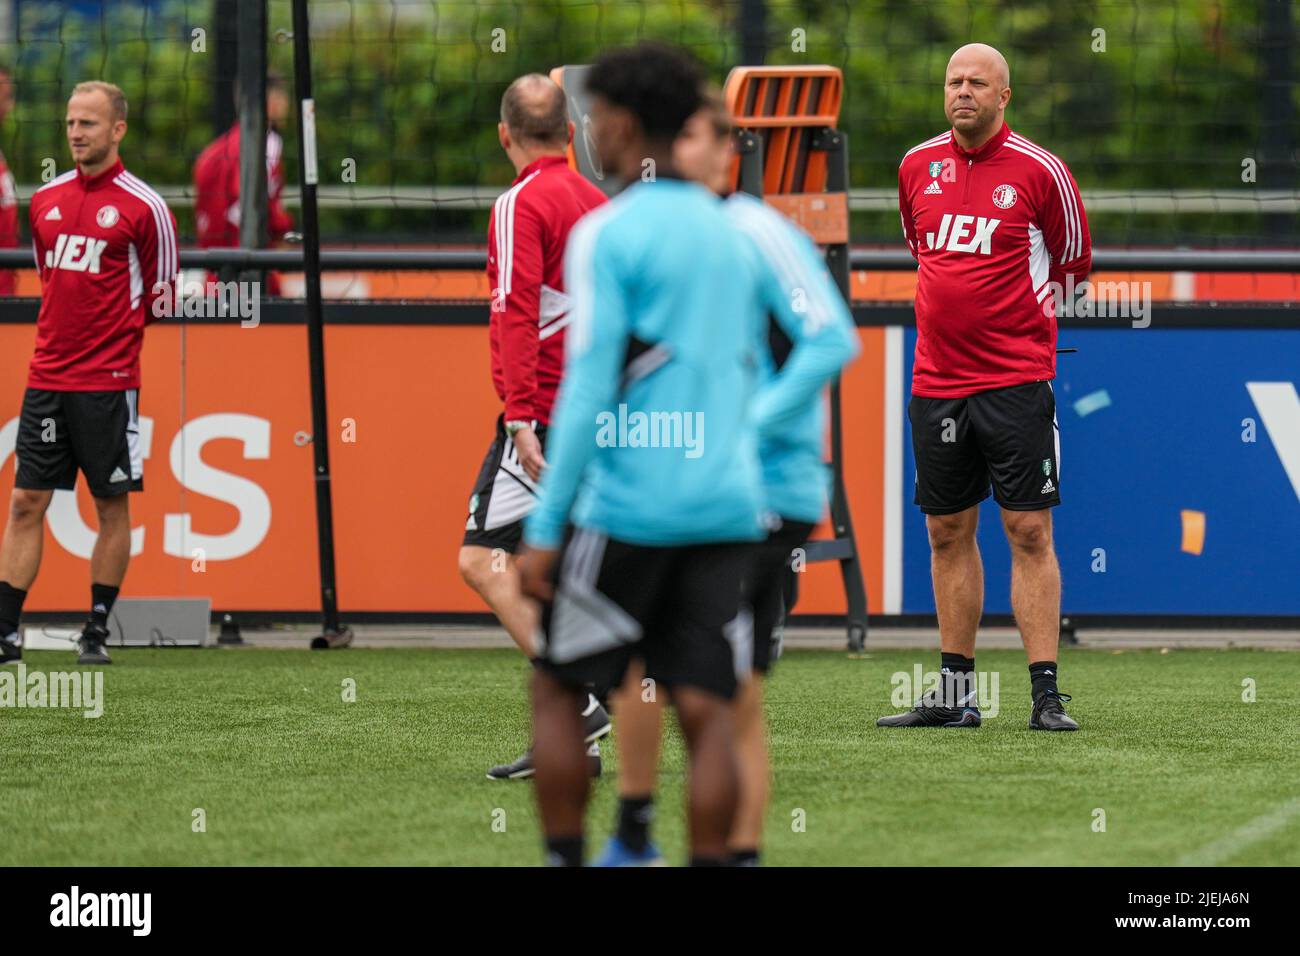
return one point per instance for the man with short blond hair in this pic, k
(105, 246)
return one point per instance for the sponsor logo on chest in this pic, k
(972, 234)
(76, 254)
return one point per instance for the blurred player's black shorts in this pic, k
(1006, 436)
(770, 588)
(676, 608)
(503, 495)
(97, 433)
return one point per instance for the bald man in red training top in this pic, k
(527, 235)
(995, 223)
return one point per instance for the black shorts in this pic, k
(1007, 436)
(770, 588)
(97, 433)
(675, 608)
(503, 495)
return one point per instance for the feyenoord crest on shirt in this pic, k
(1004, 197)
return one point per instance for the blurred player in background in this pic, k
(806, 340)
(105, 247)
(216, 182)
(528, 231)
(8, 191)
(994, 222)
(645, 531)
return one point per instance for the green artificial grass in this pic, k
(287, 772)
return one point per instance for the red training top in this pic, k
(216, 187)
(8, 223)
(106, 250)
(527, 232)
(991, 229)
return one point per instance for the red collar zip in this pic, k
(985, 151)
(537, 164)
(100, 179)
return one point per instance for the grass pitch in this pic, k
(287, 772)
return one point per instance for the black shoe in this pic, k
(931, 712)
(523, 768)
(92, 645)
(1048, 714)
(595, 721)
(11, 649)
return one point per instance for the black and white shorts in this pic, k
(97, 433)
(1007, 437)
(676, 608)
(503, 495)
(771, 588)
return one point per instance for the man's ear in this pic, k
(120, 127)
(503, 136)
(571, 128)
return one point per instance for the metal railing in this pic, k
(879, 260)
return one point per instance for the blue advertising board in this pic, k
(1180, 477)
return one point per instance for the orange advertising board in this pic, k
(228, 509)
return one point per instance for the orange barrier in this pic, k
(413, 411)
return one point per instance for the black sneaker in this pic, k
(930, 711)
(595, 721)
(11, 649)
(523, 768)
(92, 645)
(1048, 714)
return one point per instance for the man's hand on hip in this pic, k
(529, 447)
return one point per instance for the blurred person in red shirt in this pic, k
(216, 182)
(8, 192)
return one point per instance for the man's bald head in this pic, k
(984, 58)
(535, 111)
(977, 87)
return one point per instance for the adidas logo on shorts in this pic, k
(1048, 488)
(117, 475)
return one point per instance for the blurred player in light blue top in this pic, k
(805, 339)
(651, 502)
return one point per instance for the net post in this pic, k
(251, 59)
(835, 143)
(332, 634)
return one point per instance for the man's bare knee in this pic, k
(950, 532)
(698, 710)
(1028, 532)
(476, 563)
(114, 510)
(27, 505)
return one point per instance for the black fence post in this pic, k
(332, 634)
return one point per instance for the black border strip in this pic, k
(1226, 315)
